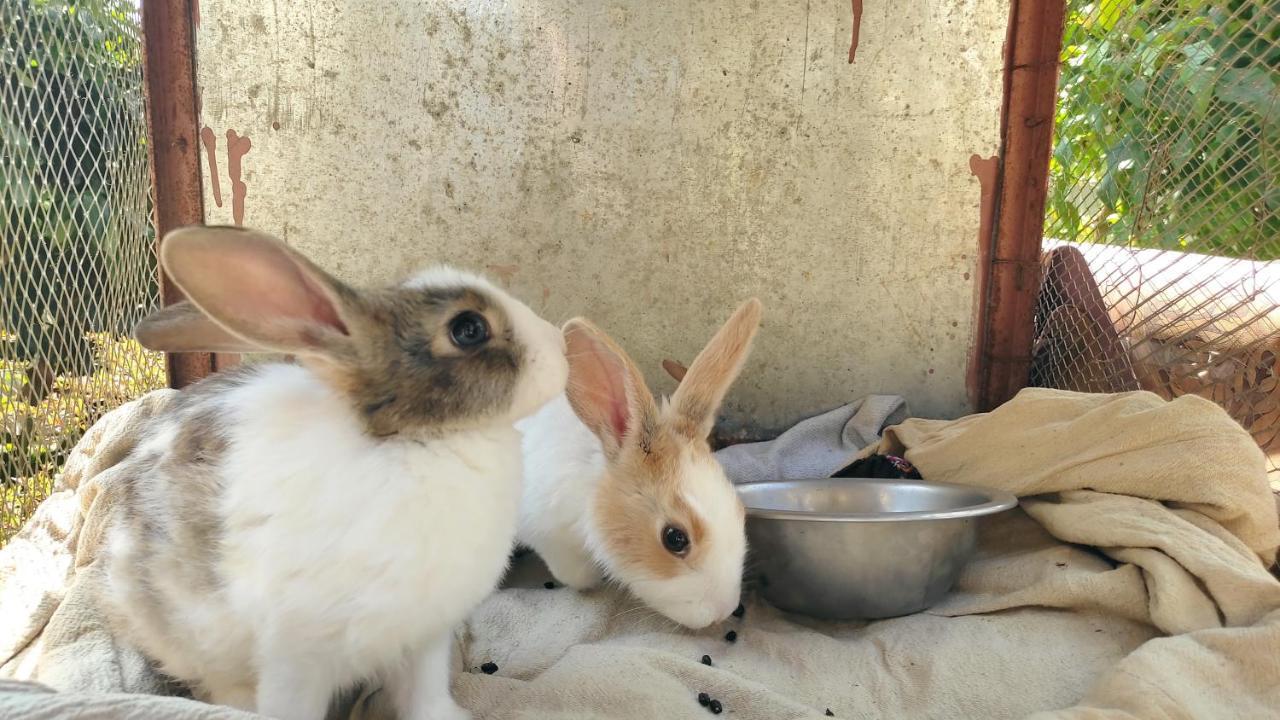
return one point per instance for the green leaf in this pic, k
(1252, 87)
(1068, 219)
(1109, 13)
(1181, 152)
(1197, 53)
(1064, 152)
(1135, 91)
(1108, 191)
(1170, 238)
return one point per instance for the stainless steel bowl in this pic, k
(847, 548)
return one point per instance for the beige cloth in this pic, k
(1142, 519)
(49, 622)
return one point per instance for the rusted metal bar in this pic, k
(168, 41)
(1012, 277)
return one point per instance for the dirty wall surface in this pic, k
(647, 164)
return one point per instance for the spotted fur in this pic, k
(289, 529)
(407, 372)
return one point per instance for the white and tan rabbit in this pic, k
(617, 485)
(296, 529)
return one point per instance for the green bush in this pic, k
(77, 266)
(1168, 126)
(75, 217)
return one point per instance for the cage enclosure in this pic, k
(946, 201)
(1163, 213)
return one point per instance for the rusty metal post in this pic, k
(1006, 323)
(173, 116)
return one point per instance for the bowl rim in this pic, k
(997, 501)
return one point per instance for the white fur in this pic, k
(564, 467)
(344, 557)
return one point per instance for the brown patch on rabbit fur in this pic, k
(406, 372)
(198, 442)
(186, 468)
(644, 481)
(169, 497)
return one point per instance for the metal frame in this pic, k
(1011, 273)
(173, 119)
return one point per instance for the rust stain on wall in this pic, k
(210, 142)
(857, 27)
(195, 13)
(237, 147)
(987, 170)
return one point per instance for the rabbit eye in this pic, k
(469, 329)
(675, 540)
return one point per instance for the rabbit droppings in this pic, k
(301, 528)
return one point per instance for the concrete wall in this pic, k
(643, 162)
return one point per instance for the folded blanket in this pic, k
(50, 625)
(1174, 491)
(816, 447)
(1134, 585)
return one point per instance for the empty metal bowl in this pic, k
(847, 548)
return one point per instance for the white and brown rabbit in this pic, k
(618, 485)
(301, 528)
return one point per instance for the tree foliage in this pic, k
(1168, 126)
(72, 174)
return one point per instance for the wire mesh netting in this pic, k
(77, 265)
(1163, 218)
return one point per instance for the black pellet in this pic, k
(715, 707)
(829, 713)
(704, 699)
(549, 585)
(740, 611)
(706, 659)
(489, 668)
(731, 636)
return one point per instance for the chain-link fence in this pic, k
(77, 265)
(1163, 217)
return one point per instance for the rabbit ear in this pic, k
(181, 327)
(256, 288)
(698, 397)
(606, 389)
